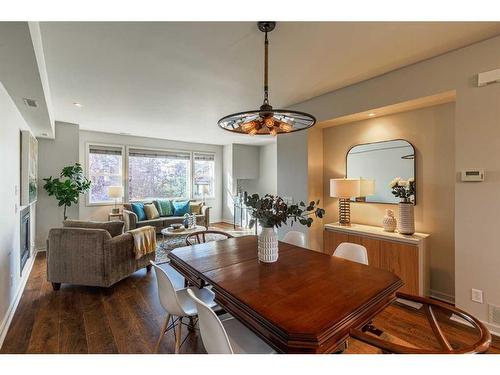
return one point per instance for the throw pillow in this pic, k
(151, 211)
(164, 207)
(195, 207)
(138, 209)
(181, 208)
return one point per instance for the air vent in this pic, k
(30, 102)
(494, 314)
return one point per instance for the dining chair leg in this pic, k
(162, 333)
(178, 336)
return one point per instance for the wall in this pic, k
(315, 184)
(292, 172)
(431, 132)
(54, 155)
(11, 282)
(477, 138)
(248, 168)
(101, 212)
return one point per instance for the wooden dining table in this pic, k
(306, 302)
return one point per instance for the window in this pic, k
(104, 169)
(158, 174)
(203, 175)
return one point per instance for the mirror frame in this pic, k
(387, 140)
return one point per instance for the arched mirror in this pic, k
(381, 162)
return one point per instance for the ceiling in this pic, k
(175, 80)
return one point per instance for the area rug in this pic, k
(167, 244)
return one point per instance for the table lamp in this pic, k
(115, 192)
(345, 189)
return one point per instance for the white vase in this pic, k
(268, 245)
(389, 223)
(406, 222)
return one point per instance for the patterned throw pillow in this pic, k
(151, 211)
(181, 208)
(164, 207)
(138, 209)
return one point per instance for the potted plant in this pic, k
(405, 191)
(272, 212)
(68, 187)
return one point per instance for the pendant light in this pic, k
(266, 120)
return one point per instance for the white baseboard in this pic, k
(4, 326)
(445, 297)
(493, 328)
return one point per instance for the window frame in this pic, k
(88, 146)
(165, 150)
(212, 196)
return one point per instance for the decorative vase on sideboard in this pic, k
(268, 245)
(389, 223)
(406, 222)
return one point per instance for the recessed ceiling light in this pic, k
(79, 105)
(371, 114)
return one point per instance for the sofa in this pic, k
(92, 254)
(132, 221)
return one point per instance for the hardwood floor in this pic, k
(126, 318)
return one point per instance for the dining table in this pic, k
(305, 302)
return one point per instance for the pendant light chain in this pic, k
(266, 67)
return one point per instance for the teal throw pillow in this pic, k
(164, 207)
(181, 208)
(138, 209)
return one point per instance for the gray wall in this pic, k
(11, 283)
(477, 140)
(292, 172)
(54, 154)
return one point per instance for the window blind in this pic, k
(159, 154)
(105, 150)
(201, 156)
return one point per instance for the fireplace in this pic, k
(25, 242)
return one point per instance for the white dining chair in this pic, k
(352, 252)
(295, 238)
(228, 336)
(175, 300)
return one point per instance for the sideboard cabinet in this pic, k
(405, 255)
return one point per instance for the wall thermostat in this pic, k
(472, 175)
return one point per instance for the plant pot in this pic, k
(406, 222)
(389, 223)
(268, 245)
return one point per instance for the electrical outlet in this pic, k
(477, 295)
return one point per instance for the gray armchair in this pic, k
(92, 254)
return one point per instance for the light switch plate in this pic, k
(477, 295)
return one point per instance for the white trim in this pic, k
(4, 326)
(493, 328)
(445, 297)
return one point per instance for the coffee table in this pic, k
(184, 232)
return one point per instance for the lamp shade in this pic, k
(115, 191)
(367, 187)
(345, 187)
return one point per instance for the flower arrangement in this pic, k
(272, 211)
(403, 189)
